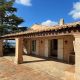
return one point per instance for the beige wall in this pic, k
(60, 49)
(41, 45)
(1, 48)
(77, 56)
(27, 45)
(68, 47)
(19, 51)
(46, 54)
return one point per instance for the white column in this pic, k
(77, 57)
(46, 47)
(19, 51)
(60, 49)
(37, 47)
(1, 48)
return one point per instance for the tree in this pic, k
(8, 20)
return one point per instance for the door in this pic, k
(54, 47)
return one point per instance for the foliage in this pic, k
(8, 20)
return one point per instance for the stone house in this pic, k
(61, 42)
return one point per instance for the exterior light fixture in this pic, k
(66, 41)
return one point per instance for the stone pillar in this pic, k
(19, 51)
(60, 49)
(46, 47)
(1, 48)
(77, 57)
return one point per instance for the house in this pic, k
(61, 42)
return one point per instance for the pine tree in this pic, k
(8, 20)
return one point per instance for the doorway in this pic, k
(54, 48)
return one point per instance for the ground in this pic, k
(33, 68)
(9, 71)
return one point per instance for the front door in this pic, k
(54, 48)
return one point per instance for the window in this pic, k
(34, 45)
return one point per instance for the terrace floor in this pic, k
(50, 67)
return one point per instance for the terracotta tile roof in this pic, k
(40, 28)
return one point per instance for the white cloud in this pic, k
(24, 2)
(20, 26)
(75, 13)
(49, 23)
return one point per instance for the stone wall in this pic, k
(19, 51)
(77, 56)
(60, 49)
(43, 46)
(68, 47)
(27, 46)
(1, 48)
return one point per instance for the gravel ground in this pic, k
(10, 71)
(53, 68)
(42, 68)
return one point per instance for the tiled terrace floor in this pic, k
(50, 67)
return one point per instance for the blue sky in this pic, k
(47, 12)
